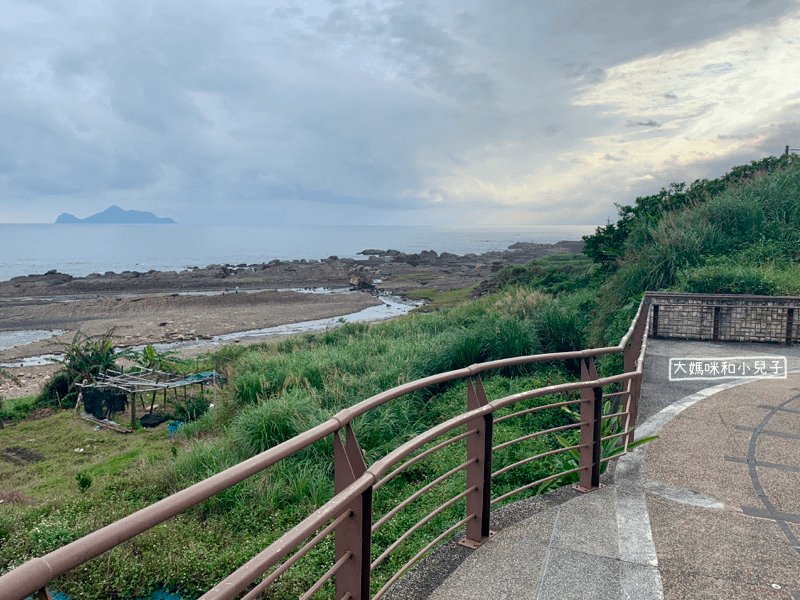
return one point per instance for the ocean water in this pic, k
(81, 249)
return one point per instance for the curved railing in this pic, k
(349, 514)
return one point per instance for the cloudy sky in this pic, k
(462, 113)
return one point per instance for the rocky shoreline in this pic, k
(388, 270)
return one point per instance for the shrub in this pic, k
(481, 339)
(250, 386)
(84, 358)
(727, 277)
(269, 423)
(55, 389)
(191, 410)
(84, 481)
(560, 329)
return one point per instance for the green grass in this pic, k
(15, 409)
(423, 294)
(438, 300)
(106, 455)
(553, 274)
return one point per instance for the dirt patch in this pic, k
(40, 413)
(14, 496)
(17, 455)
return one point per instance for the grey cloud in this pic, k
(30, 186)
(612, 158)
(73, 62)
(42, 157)
(249, 107)
(584, 72)
(287, 12)
(133, 174)
(457, 161)
(719, 68)
(464, 21)
(626, 29)
(552, 129)
(468, 88)
(341, 21)
(412, 45)
(736, 136)
(649, 123)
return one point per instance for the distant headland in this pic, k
(115, 214)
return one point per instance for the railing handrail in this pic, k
(36, 573)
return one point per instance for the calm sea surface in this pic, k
(79, 249)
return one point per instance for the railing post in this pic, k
(133, 412)
(633, 407)
(654, 323)
(591, 415)
(479, 472)
(353, 534)
(629, 358)
(44, 594)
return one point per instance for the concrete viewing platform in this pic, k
(709, 510)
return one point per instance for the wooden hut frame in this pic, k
(150, 380)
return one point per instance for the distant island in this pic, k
(115, 214)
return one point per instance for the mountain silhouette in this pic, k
(115, 214)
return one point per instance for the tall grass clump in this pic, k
(767, 209)
(553, 274)
(267, 424)
(481, 339)
(724, 275)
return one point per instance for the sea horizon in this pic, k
(79, 249)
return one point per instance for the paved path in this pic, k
(709, 510)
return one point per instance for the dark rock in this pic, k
(361, 282)
(485, 287)
(152, 420)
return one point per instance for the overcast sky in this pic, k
(458, 113)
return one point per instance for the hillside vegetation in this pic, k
(735, 234)
(742, 239)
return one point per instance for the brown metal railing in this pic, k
(349, 514)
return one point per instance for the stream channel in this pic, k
(393, 306)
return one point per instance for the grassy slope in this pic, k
(276, 391)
